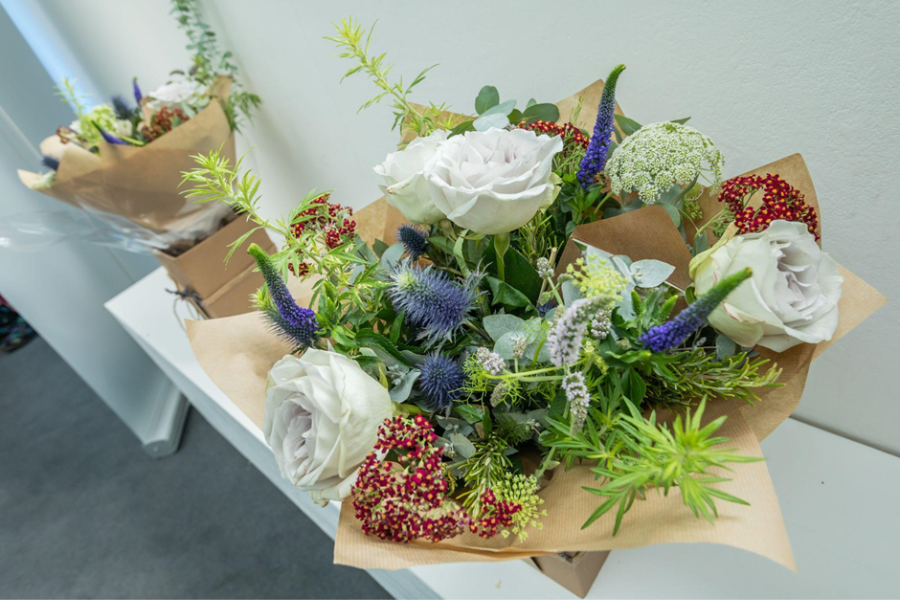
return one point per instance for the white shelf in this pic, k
(839, 500)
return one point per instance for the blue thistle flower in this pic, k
(110, 138)
(121, 108)
(545, 308)
(295, 323)
(137, 91)
(50, 162)
(594, 160)
(673, 333)
(441, 380)
(432, 300)
(414, 240)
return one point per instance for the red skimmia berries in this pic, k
(406, 500)
(332, 224)
(496, 515)
(779, 201)
(571, 135)
(163, 121)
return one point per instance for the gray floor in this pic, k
(84, 513)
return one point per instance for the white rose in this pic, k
(493, 181)
(322, 417)
(792, 297)
(178, 94)
(404, 187)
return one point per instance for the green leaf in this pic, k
(628, 126)
(487, 98)
(673, 213)
(506, 295)
(369, 337)
(520, 273)
(515, 117)
(462, 445)
(401, 391)
(504, 108)
(467, 125)
(470, 414)
(541, 112)
(498, 325)
(379, 247)
(680, 121)
(485, 122)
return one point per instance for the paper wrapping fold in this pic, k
(238, 352)
(135, 189)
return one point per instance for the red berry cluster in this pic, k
(568, 132)
(405, 500)
(496, 515)
(780, 201)
(163, 121)
(333, 221)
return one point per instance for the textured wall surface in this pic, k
(764, 79)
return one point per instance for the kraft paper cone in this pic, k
(136, 188)
(238, 352)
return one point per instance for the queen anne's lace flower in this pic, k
(660, 155)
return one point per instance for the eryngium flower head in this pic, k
(441, 380)
(123, 111)
(673, 333)
(594, 160)
(295, 323)
(661, 155)
(414, 240)
(431, 300)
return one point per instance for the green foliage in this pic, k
(210, 62)
(636, 454)
(352, 38)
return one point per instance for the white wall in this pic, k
(764, 79)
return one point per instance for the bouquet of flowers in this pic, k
(559, 330)
(121, 161)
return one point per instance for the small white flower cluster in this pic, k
(661, 155)
(490, 361)
(601, 324)
(520, 344)
(579, 399)
(544, 268)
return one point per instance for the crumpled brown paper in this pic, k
(237, 353)
(136, 189)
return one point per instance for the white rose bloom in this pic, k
(178, 94)
(404, 186)
(493, 181)
(792, 297)
(322, 417)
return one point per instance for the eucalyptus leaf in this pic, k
(504, 108)
(484, 123)
(541, 112)
(401, 391)
(487, 98)
(391, 257)
(506, 343)
(673, 213)
(498, 325)
(471, 414)
(650, 273)
(506, 295)
(725, 347)
(570, 292)
(461, 445)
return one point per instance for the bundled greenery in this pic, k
(518, 369)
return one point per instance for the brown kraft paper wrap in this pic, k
(238, 352)
(136, 188)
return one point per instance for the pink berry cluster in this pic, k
(780, 201)
(496, 515)
(332, 221)
(406, 500)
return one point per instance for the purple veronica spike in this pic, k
(121, 108)
(672, 334)
(594, 160)
(137, 91)
(110, 138)
(50, 162)
(294, 322)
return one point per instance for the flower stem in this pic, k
(501, 245)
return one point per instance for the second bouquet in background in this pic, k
(579, 330)
(121, 162)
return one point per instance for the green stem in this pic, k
(501, 245)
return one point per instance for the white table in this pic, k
(839, 498)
